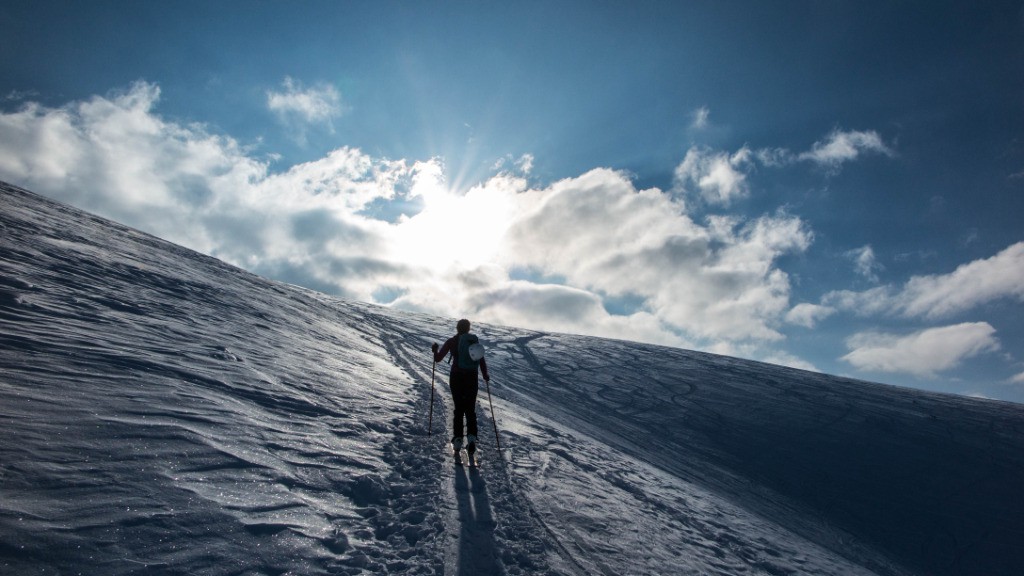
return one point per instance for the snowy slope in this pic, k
(165, 413)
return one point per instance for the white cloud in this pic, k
(301, 108)
(701, 118)
(522, 165)
(114, 156)
(834, 150)
(784, 359)
(970, 285)
(714, 281)
(842, 147)
(19, 95)
(865, 263)
(525, 163)
(808, 315)
(878, 300)
(319, 103)
(1018, 379)
(923, 353)
(708, 284)
(559, 308)
(774, 157)
(720, 178)
(942, 296)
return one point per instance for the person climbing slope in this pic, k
(467, 358)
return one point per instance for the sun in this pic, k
(455, 230)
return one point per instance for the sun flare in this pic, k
(455, 230)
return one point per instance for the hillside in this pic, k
(166, 413)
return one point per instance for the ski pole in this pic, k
(430, 424)
(494, 419)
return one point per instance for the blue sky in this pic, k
(826, 184)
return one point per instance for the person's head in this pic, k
(462, 326)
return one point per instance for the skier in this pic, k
(464, 385)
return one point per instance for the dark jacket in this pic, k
(452, 344)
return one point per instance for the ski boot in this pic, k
(471, 449)
(457, 449)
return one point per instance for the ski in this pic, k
(469, 461)
(469, 450)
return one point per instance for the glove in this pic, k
(434, 347)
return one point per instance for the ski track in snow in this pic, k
(164, 412)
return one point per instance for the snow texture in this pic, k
(165, 413)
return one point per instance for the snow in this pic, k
(163, 412)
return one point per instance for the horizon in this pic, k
(830, 187)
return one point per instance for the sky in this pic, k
(831, 185)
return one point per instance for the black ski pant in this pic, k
(464, 387)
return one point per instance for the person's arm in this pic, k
(439, 354)
(483, 370)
